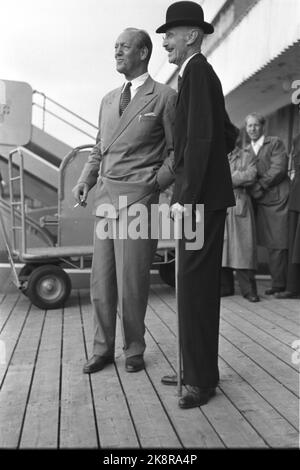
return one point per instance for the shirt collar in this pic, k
(258, 144)
(182, 68)
(137, 82)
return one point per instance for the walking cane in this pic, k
(177, 218)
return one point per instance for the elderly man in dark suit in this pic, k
(130, 163)
(203, 137)
(270, 194)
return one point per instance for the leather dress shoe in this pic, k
(287, 295)
(274, 290)
(97, 363)
(134, 363)
(170, 380)
(196, 397)
(252, 297)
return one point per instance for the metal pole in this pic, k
(179, 367)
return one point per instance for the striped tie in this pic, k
(125, 98)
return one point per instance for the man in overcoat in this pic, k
(203, 137)
(293, 272)
(130, 163)
(270, 194)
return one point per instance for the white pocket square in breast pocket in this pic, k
(147, 116)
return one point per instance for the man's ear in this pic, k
(144, 53)
(192, 37)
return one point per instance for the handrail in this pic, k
(42, 232)
(18, 152)
(61, 119)
(65, 109)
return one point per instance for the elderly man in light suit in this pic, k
(133, 157)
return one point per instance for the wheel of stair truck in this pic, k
(24, 274)
(48, 286)
(167, 273)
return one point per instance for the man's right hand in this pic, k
(80, 193)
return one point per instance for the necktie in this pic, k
(179, 80)
(125, 98)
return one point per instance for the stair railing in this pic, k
(45, 110)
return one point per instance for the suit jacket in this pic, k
(271, 193)
(294, 201)
(203, 138)
(133, 155)
(273, 183)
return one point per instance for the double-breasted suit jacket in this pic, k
(135, 150)
(133, 158)
(202, 139)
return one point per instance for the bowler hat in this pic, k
(185, 14)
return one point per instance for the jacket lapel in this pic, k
(186, 71)
(112, 111)
(143, 97)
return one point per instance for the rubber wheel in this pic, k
(48, 286)
(24, 274)
(167, 273)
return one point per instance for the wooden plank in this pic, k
(16, 386)
(244, 309)
(7, 307)
(273, 428)
(290, 305)
(279, 350)
(113, 418)
(261, 309)
(282, 373)
(288, 308)
(12, 328)
(272, 391)
(150, 420)
(265, 325)
(232, 428)
(77, 423)
(41, 421)
(191, 426)
(275, 393)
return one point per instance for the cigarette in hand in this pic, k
(82, 203)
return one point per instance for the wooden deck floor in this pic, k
(46, 401)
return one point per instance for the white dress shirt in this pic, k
(185, 63)
(136, 83)
(258, 144)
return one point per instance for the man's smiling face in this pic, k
(175, 43)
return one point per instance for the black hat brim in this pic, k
(207, 27)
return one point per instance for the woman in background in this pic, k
(239, 249)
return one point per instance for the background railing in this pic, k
(51, 112)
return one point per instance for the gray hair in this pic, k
(259, 117)
(143, 40)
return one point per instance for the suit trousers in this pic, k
(278, 261)
(293, 275)
(199, 281)
(120, 281)
(245, 278)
